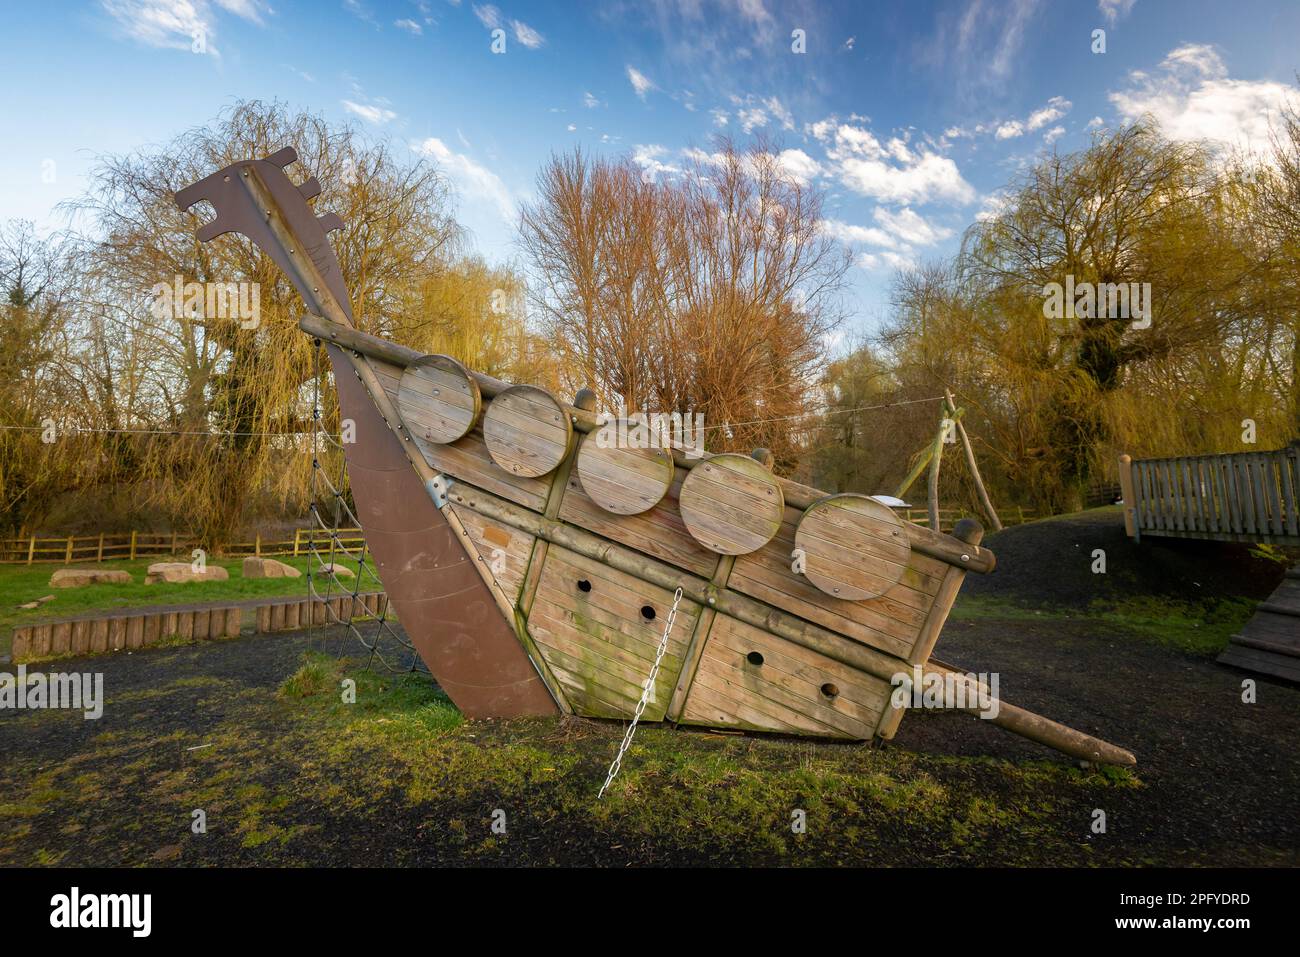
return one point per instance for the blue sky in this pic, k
(910, 115)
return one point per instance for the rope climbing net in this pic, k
(326, 549)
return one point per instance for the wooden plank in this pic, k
(1263, 662)
(505, 550)
(852, 547)
(1273, 483)
(731, 504)
(61, 638)
(624, 481)
(438, 399)
(793, 689)
(467, 460)
(658, 532)
(1289, 490)
(527, 431)
(586, 621)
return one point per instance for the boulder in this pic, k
(338, 571)
(268, 568)
(79, 577)
(173, 572)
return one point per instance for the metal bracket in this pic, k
(438, 488)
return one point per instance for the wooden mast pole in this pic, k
(985, 502)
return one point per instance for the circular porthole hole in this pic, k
(830, 690)
(754, 658)
(584, 585)
(648, 612)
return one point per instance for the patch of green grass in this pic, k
(1198, 628)
(20, 584)
(401, 750)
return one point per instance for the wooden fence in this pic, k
(143, 627)
(1236, 497)
(78, 549)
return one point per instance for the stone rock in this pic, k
(174, 572)
(30, 605)
(268, 568)
(338, 571)
(80, 577)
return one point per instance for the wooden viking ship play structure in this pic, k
(533, 566)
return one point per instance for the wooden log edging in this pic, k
(130, 629)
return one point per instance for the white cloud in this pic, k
(893, 172)
(1010, 130)
(1113, 10)
(648, 158)
(779, 112)
(931, 177)
(470, 177)
(571, 128)
(993, 204)
(178, 24)
(1056, 108)
(720, 117)
(1191, 97)
(911, 228)
(798, 165)
(1054, 134)
(640, 82)
(527, 35)
(488, 15)
(893, 240)
(410, 26)
(250, 10)
(1096, 123)
(751, 119)
(590, 101)
(378, 115)
(885, 259)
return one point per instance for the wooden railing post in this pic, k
(31, 549)
(257, 545)
(67, 553)
(297, 537)
(133, 534)
(1126, 492)
(99, 552)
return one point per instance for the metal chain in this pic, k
(645, 695)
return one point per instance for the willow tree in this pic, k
(709, 289)
(236, 393)
(1058, 382)
(38, 389)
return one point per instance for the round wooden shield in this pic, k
(625, 481)
(527, 431)
(438, 399)
(853, 546)
(731, 504)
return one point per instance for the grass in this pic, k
(678, 791)
(20, 584)
(1197, 628)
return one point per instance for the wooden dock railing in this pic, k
(1235, 497)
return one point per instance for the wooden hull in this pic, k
(441, 602)
(591, 629)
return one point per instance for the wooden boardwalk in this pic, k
(1236, 497)
(1270, 642)
(131, 628)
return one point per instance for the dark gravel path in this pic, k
(1220, 780)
